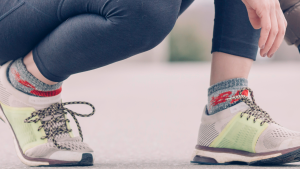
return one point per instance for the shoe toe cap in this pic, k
(290, 143)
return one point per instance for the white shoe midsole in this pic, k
(229, 157)
(66, 156)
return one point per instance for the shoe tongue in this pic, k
(38, 103)
(240, 107)
(43, 102)
(61, 125)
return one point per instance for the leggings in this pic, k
(72, 36)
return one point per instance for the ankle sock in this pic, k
(25, 82)
(218, 93)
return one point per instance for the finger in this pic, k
(282, 15)
(284, 20)
(281, 32)
(264, 14)
(272, 34)
(254, 19)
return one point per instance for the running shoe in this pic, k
(244, 133)
(40, 128)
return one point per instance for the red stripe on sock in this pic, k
(47, 93)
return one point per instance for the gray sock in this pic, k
(218, 93)
(24, 81)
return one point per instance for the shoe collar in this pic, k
(28, 101)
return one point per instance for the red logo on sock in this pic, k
(34, 91)
(223, 96)
(220, 99)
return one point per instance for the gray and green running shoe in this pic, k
(245, 133)
(42, 134)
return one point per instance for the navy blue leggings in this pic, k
(233, 32)
(72, 36)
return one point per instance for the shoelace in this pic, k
(254, 109)
(61, 111)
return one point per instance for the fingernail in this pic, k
(271, 55)
(262, 47)
(265, 55)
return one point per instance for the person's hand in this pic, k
(267, 15)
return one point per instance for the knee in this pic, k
(149, 22)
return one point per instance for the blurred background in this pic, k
(149, 107)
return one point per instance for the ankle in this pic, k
(226, 66)
(21, 79)
(33, 69)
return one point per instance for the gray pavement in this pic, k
(148, 114)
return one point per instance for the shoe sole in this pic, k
(86, 160)
(223, 156)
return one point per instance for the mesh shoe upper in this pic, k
(46, 150)
(276, 138)
(231, 129)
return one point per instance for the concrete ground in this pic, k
(148, 114)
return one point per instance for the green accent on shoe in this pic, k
(69, 127)
(240, 134)
(27, 134)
